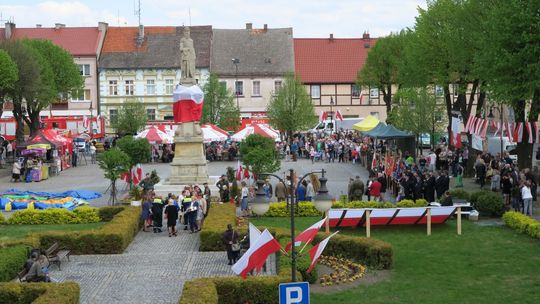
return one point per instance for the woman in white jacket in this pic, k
(526, 195)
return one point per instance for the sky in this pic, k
(315, 18)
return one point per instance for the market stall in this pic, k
(261, 129)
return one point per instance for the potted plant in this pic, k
(136, 195)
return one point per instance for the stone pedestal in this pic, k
(189, 164)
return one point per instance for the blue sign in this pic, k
(294, 293)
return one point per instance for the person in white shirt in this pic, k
(93, 153)
(432, 159)
(526, 195)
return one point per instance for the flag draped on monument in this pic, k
(188, 103)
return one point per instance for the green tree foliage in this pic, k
(131, 118)
(259, 154)
(219, 108)
(8, 77)
(291, 109)
(138, 150)
(113, 162)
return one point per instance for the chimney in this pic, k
(249, 26)
(38, 25)
(58, 26)
(102, 26)
(265, 27)
(365, 36)
(331, 38)
(8, 31)
(140, 38)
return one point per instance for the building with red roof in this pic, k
(84, 44)
(329, 68)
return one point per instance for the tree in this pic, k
(382, 65)
(508, 57)
(219, 108)
(131, 118)
(291, 109)
(415, 110)
(113, 162)
(8, 77)
(259, 154)
(138, 150)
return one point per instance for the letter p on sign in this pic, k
(294, 293)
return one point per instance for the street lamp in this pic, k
(236, 61)
(332, 113)
(323, 202)
(491, 117)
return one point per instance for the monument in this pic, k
(189, 163)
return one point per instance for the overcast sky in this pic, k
(315, 18)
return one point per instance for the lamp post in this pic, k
(332, 113)
(236, 61)
(491, 117)
(322, 201)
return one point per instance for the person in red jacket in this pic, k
(375, 190)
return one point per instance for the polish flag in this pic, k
(307, 235)
(470, 123)
(484, 129)
(537, 135)
(498, 126)
(188, 103)
(519, 132)
(456, 137)
(137, 174)
(338, 115)
(254, 234)
(477, 126)
(317, 250)
(510, 131)
(256, 254)
(323, 116)
(529, 132)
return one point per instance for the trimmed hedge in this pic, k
(302, 209)
(522, 223)
(11, 261)
(373, 204)
(113, 237)
(40, 293)
(107, 213)
(81, 215)
(2, 219)
(215, 224)
(200, 291)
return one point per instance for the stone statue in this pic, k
(187, 58)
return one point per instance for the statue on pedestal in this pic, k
(187, 59)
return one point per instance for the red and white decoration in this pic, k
(317, 250)
(136, 175)
(324, 115)
(213, 133)
(514, 130)
(456, 135)
(188, 103)
(307, 235)
(261, 129)
(155, 136)
(257, 254)
(339, 116)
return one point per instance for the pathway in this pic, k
(153, 269)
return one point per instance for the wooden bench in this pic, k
(22, 275)
(55, 256)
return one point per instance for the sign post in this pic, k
(294, 293)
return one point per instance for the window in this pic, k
(169, 86)
(113, 113)
(256, 88)
(355, 90)
(439, 91)
(151, 114)
(374, 93)
(113, 87)
(150, 87)
(315, 91)
(239, 88)
(130, 87)
(277, 85)
(80, 95)
(84, 69)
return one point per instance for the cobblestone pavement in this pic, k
(152, 270)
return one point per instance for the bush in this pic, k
(460, 194)
(2, 219)
(302, 209)
(522, 223)
(215, 224)
(377, 205)
(81, 215)
(200, 291)
(11, 262)
(106, 214)
(113, 237)
(40, 293)
(475, 195)
(489, 204)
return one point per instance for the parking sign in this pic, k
(294, 293)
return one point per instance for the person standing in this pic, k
(220, 185)
(244, 202)
(146, 214)
(267, 187)
(171, 212)
(301, 192)
(203, 209)
(93, 151)
(310, 191)
(157, 214)
(375, 190)
(230, 239)
(207, 195)
(186, 203)
(481, 173)
(526, 195)
(281, 191)
(192, 214)
(495, 181)
(16, 172)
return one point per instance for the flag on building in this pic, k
(307, 235)
(257, 254)
(317, 250)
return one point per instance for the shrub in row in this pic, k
(39, 293)
(2, 219)
(81, 215)
(114, 237)
(489, 204)
(280, 209)
(373, 204)
(11, 261)
(522, 223)
(215, 224)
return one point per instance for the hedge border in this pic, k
(522, 223)
(40, 293)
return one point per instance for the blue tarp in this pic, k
(82, 194)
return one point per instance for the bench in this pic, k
(22, 275)
(55, 256)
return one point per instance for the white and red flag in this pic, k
(137, 174)
(536, 134)
(323, 116)
(470, 124)
(188, 103)
(339, 115)
(484, 129)
(529, 132)
(257, 254)
(317, 250)
(518, 132)
(307, 235)
(456, 136)
(238, 174)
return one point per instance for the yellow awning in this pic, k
(367, 124)
(43, 146)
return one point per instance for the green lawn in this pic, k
(13, 232)
(483, 265)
